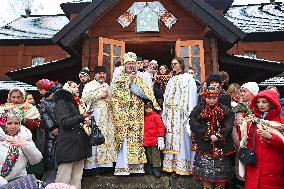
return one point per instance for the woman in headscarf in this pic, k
(212, 123)
(29, 114)
(16, 147)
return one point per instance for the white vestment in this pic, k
(179, 99)
(103, 155)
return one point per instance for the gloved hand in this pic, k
(161, 143)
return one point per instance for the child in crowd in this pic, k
(154, 132)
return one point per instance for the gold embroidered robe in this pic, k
(128, 112)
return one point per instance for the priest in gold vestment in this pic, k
(129, 91)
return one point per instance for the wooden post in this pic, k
(214, 54)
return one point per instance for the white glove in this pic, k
(161, 143)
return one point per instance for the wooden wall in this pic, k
(264, 50)
(187, 27)
(15, 57)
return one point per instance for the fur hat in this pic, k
(211, 92)
(85, 71)
(99, 69)
(251, 87)
(129, 57)
(213, 77)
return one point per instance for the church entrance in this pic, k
(162, 52)
(192, 51)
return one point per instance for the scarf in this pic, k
(213, 116)
(10, 161)
(82, 110)
(272, 127)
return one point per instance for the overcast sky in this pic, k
(12, 9)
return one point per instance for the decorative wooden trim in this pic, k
(180, 43)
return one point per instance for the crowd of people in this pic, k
(153, 119)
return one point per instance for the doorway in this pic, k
(162, 52)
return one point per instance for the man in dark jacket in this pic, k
(84, 77)
(47, 89)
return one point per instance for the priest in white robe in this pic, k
(179, 99)
(97, 96)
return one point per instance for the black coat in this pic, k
(81, 88)
(48, 121)
(73, 143)
(198, 126)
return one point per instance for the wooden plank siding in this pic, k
(272, 50)
(15, 57)
(188, 27)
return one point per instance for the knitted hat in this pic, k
(129, 57)
(85, 71)
(99, 69)
(44, 84)
(252, 87)
(213, 77)
(211, 92)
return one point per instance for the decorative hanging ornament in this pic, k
(165, 16)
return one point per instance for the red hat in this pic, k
(211, 92)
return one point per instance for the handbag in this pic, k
(248, 156)
(97, 137)
(27, 182)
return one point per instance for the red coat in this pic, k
(153, 128)
(267, 173)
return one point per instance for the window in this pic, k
(38, 60)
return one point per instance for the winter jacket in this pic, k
(282, 105)
(153, 128)
(48, 121)
(72, 143)
(267, 173)
(28, 154)
(199, 127)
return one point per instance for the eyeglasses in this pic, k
(173, 64)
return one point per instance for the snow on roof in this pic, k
(253, 58)
(8, 85)
(275, 81)
(33, 27)
(257, 18)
